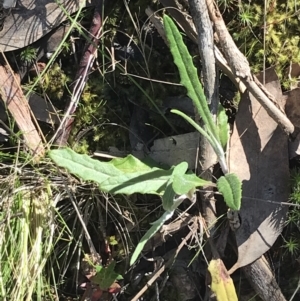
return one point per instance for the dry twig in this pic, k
(81, 77)
(240, 67)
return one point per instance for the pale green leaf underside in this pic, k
(130, 164)
(115, 176)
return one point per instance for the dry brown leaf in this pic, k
(31, 19)
(16, 103)
(259, 156)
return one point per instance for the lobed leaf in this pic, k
(127, 175)
(188, 74)
(190, 80)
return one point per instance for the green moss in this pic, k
(100, 118)
(53, 84)
(28, 55)
(281, 39)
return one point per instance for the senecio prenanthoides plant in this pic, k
(130, 175)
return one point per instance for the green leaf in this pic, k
(105, 277)
(128, 175)
(168, 197)
(183, 184)
(130, 164)
(231, 188)
(153, 182)
(223, 126)
(188, 74)
(120, 277)
(181, 168)
(214, 141)
(83, 166)
(112, 240)
(194, 124)
(190, 80)
(155, 227)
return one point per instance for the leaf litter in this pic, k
(259, 156)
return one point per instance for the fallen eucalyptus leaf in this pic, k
(258, 154)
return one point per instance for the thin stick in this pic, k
(62, 134)
(240, 67)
